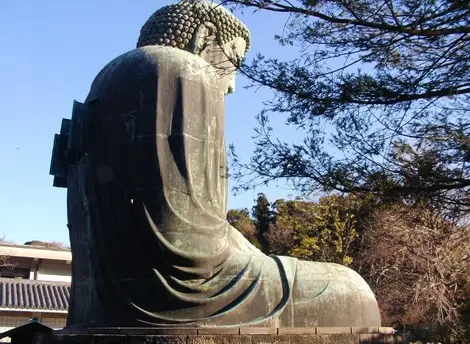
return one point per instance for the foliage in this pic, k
(5, 259)
(240, 219)
(381, 91)
(327, 230)
(417, 265)
(262, 216)
(323, 231)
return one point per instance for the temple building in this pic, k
(34, 285)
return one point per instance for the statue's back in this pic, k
(157, 114)
(144, 162)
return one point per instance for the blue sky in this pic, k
(52, 50)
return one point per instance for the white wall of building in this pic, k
(54, 271)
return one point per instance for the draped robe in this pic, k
(146, 206)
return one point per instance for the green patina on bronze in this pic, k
(144, 162)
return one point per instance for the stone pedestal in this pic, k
(244, 335)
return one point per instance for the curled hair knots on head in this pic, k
(174, 25)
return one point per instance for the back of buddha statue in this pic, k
(154, 182)
(144, 162)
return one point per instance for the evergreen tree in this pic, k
(262, 216)
(388, 80)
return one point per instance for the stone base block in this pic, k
(225, 336)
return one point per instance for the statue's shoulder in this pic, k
(153, 61)
(157, 54)
(169, 55)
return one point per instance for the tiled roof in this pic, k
(31, 294)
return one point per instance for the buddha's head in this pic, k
(203, 28)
